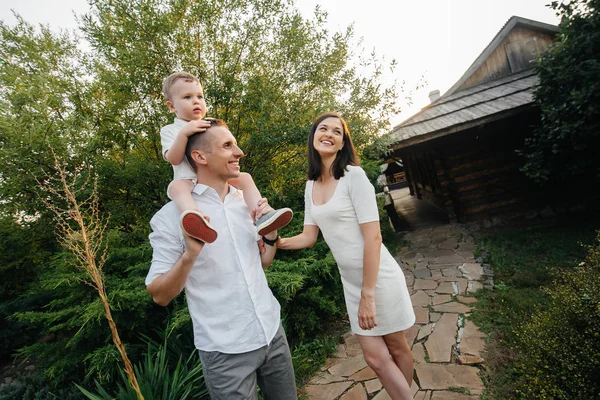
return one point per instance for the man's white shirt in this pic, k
(232, 308)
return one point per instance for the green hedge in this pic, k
(559, 347)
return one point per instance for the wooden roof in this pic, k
(514, 23)
(499, 83)
(467, 108)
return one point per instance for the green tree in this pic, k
(266, 70)
(566, 142)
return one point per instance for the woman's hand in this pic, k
(367, 319)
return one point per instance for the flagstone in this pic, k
(430, 293)
(466, 246)
(420, 244)
(424, 284)
(438, 239)
(473, 340)
(438, 253)
(472, 271)
(425, 331)
(466, 300)
(421, 264)
(383, 395)
(353, 346)
(422, 273)
(440, 266)
(436, 273)
(373, 385)
(448, 395)
(420, 298)
(449, 244)
(467, 255)
(340, 351)
(461, 282)
(356, 393)
(452, 307)
(466, 359)
(452, 259)
(454, 271)
(331, 362)
(414, 388)
(349, 366)
(445, 288)
(411, 334)
(418, 353)
(422, 395)
(445, 376)
(421, 315)
(364, 375)
(326, 392)
(323, 378)
(440, 342)
(410, 279)
(434, 317)
(474, 286)
(440, 299)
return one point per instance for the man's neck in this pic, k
(222, 188)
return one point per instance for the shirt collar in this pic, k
(179, 122)
(199, 189)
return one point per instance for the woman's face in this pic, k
(329, 137)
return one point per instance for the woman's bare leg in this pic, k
(401, 353)
(378, 357)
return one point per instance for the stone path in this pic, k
(441, 272)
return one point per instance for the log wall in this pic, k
(475, 174)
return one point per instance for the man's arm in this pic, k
(167, 286)
(267, 256)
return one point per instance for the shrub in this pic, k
(159, 377)
(559, 355)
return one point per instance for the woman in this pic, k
(340, 200)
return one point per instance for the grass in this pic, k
(523, 261)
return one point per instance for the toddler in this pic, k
(185, 98)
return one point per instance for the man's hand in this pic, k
(261, 209)
(194, 126)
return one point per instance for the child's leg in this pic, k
(273, 219)
(245, 183)
(192, 221)
(180, 191)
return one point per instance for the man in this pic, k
(237, 327)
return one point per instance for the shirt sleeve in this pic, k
(308, 203)
(167, 247)
(167, 137)
(362, 194)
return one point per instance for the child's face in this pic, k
(187, 100)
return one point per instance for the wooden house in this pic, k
(459, 152)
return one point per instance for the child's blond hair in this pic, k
(174, 77)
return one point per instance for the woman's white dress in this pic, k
(353, 203)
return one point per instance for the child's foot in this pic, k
(273, 220)
(197, 227)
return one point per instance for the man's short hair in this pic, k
(199, 141)
(174, 77)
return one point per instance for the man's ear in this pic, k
(170, 105)
(198, 157)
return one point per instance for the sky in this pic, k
(433, 41)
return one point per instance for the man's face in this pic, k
(223, 160)
(187, 100)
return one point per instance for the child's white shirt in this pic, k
(167, 136)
